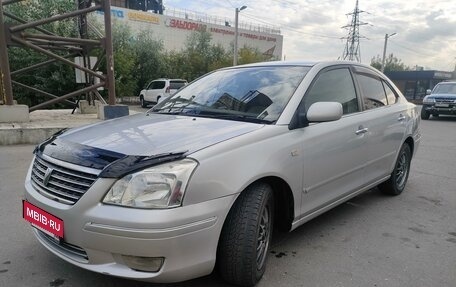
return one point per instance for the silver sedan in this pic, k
(201, 180)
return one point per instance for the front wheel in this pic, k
(143, 102)
(425, 114)
(396, 183)
(246, 236)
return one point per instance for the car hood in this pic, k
(152, 134)
(444, 96)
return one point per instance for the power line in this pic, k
(411, 50)
(288, 27)
(231, 3)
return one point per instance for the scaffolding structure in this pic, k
(30, 34)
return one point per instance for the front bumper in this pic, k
(96, 235)
(442, 109)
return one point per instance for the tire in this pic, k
(158, 99)
(396, 183)
(424, 114)
(246, 236)
(143, 102)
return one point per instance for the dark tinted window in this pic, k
(390, 95)
(334, 86)
(157, 85)
(176, 85)
(373, 92)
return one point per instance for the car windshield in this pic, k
(254, 94)
(445, 89)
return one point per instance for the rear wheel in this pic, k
(246, 236)
(424, 114)
(396, 183)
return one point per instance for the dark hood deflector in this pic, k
(112, 164)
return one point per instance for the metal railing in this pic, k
(216, 20)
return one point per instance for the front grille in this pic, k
(60, 183)
(69, 250)
(444, 100)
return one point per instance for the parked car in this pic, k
(440, 101)
(201, 180)
(159, 89)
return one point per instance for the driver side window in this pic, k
(334, 86)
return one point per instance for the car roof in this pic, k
(306, 64)
(445, 83)
(166, 79)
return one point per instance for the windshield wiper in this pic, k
(235, 117)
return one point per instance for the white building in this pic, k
(174, 27)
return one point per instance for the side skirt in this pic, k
(315, 213)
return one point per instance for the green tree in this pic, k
(199, 56)
(392, 63)
(124, 60)
(249, 55)
(150, 59)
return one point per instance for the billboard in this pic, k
(174, 31)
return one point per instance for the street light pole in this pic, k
(236, 24)
(384, 50)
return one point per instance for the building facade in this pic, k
(174, 26)
(413, 84)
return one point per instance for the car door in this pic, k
(155, 90)
(385, 118)
(334, 153)
(149, 92)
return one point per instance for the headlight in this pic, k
(428, 100)
(160, 186)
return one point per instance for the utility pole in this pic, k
(384, 50)
(6, 90)
(236, 24)
(109, 53)
(352, 51)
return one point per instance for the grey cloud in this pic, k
(432, 28)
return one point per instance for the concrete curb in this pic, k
(45, 123)
(15, 136)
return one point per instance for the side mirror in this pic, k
(428, 92)
(324, 112)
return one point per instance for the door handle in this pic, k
(401, 118)
(361, 130)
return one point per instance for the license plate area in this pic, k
(440, 105)
(43, 220)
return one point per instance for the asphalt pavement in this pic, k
(372, 240)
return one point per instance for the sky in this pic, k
(425, 30)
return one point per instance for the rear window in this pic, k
(176, 85)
